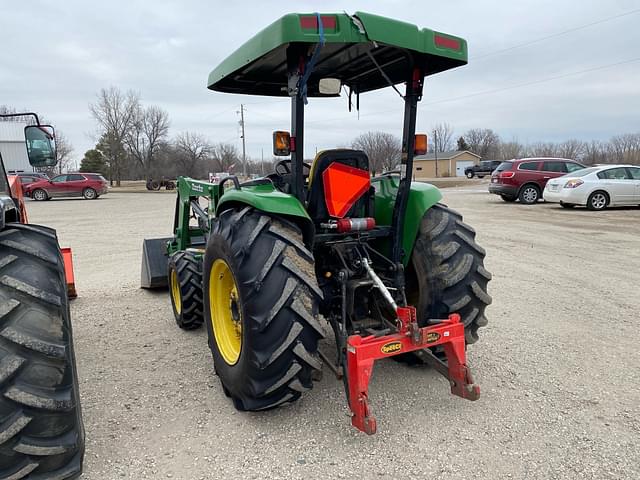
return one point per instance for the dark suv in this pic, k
(525, 179)
(485, 167)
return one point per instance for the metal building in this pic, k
(12, 147)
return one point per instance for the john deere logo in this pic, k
(433, 337)
(391, 347)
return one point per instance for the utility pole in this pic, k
(244, 151)
(262, 160)
(435, 148)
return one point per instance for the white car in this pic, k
(596, 187)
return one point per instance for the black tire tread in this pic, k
(452, 264)
(275, 271)
(189, 270)
(41, 431)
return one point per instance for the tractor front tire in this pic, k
(261, 305)
(446, 273)
(185, 289)
(41, 430)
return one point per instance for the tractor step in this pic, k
(363, 351)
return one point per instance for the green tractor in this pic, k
(41, 429)
(393, 272)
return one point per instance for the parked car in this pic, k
(27, 178)
(87, 185)
(525, 179)
(485, 167)
(596, 187)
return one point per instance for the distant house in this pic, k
(450, 164)
(13, 148)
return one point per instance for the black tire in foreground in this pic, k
(185, 288)
(272, 296)
(446, 273)
(41, 430)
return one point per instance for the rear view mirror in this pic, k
(329, 86)
(41, 145)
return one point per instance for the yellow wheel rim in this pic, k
(226, 316)
(175, 291)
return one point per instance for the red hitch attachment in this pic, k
(67, 257)
(363, 351)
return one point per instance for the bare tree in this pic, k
(595, 152)
(383, 149)
(510, 150)
(116, 113)
(542, 149)
(226, 157)
(192, 150)
(625, 148)
(144, 139)
(64, 150)
(442, 137)
(483, 141)
(571, 148)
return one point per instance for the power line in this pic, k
(496, 90)
(534, 82)
(554, 35)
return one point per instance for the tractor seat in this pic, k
(316, 201)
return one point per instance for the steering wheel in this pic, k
(283, 168)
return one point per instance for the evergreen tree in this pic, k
(93, 161)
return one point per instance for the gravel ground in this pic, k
(558, 364)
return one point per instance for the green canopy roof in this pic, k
(259, 67)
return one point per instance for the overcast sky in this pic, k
(55, 56)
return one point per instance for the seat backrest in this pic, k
(316, 204)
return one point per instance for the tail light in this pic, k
(576, 182)
(506, 174)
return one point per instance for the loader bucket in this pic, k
(154, 262)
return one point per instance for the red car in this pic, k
(87, 185)
(526, 178)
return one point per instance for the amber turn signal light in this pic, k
(420, 144)
(281, 143)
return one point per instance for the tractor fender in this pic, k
(422, 196)
(266, 198)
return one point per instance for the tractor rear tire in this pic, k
(185, 288)
(273, 303)
(446, 272)
(41, 430)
